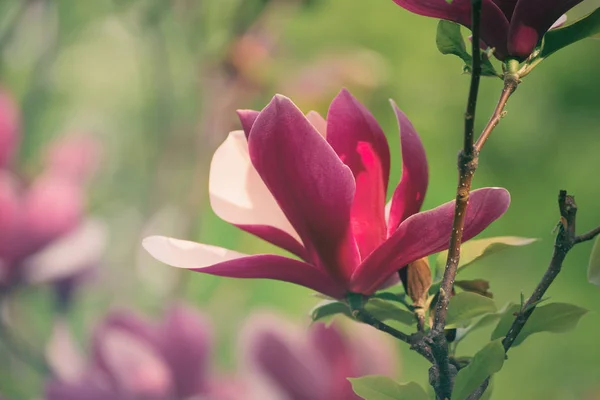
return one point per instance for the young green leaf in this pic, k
(553, 317)
(486, 362)
(594, 264)
(484, 321)
(583, 28)
(465, 306)
(386, 311)
(449, 40)
(475, 250)
(376, 387)
(329, 308)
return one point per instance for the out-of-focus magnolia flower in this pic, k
(317, 188)
(75, 156)
(512, 27)
(284, 362)
(135, 359)
(9, 128)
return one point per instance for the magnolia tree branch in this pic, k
(565, 240)
(467, 165)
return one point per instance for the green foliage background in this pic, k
(134, 72)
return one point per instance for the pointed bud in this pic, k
(479, 286)
(418, 281)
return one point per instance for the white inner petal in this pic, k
(237, 193)
(187, 254)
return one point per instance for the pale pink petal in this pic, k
(77, 251)
(312, 186)
(410, 192)
(360, 143)
(318, 122)
(559, 22)
(222, 262)
(63, 353)
(427, 233)
(239, 196)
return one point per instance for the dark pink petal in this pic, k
(531, 20)
(337, 354)
(87, 389)
(289, 368)
(247, 118)
(360, 143)
(184, 340)
(410, 192)
(310, 183)
(427, 233)
(507, 7)
(221, 262)
(494, 24)
(9, 128)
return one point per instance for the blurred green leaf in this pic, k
(474, 250)
(376, 387)
(465, 306)
(594, 264)
(329, 308)
(385, 311)
(554, 317)
(557, 39)
(398, 298)
(486, 362)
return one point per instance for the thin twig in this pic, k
(565, 240)
(416, 341)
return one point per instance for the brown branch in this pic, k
(565, 240)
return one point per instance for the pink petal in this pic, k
(222, 262)
(531, 20)
(247, 118)
(410, 192)
(63, 354)
(360, 143)
(84, 390)
(427, 233)
(312, 186)
(239, 196)
(75, 157)
(494, 24)
(9, 128)
(184, 340)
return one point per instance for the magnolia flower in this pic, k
(512, 27)
(135, 359)
(317, 188)
(285, 362)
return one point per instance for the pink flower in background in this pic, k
(317, 188)
(135, 359)
(9, 128)
(512, 27)
(287, 363)
(44, 234)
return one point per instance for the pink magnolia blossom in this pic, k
(317, 188)
(135, 359)
(512, 27)
(285, 362)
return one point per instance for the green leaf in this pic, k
(398, 298)
(385, 311)
(376, 387)
(329, 308)
(449, 40)
(556, 39)
(594, 264)
(465, 306)
(486, 362)
(475, 250)
(553, 317)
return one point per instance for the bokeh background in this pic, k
(156, 82)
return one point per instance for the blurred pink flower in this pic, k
(285, 362)
(317, 188)
(74, 156)
(512, 27)
(135, 359)
(9, 128)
